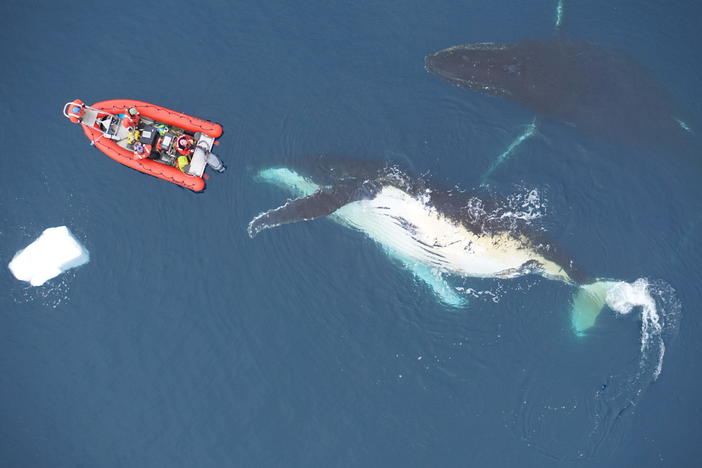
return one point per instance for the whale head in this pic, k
(486, 67)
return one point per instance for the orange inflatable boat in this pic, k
(152, 139)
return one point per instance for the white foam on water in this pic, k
(486, 294)
(526, 205)
(54, 252)
(623, 298)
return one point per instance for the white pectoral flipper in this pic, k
(314, 201)
(321, 203)
(438, 284)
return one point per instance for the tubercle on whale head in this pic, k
(480, 67)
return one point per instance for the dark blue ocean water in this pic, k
(186, 343)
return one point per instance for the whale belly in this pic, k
(414, 232)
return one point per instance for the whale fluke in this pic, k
(588, 302)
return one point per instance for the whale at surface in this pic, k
(600, 92)
(433, 233)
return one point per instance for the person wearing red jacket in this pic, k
(131, 118)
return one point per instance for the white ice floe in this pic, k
(53, 253)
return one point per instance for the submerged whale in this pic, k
(601, 92)
(434, 233)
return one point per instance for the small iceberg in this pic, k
(53, 253)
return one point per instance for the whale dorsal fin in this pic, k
(322, 203)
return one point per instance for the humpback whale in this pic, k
(601, 92)
(435, 233)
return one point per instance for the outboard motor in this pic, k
(214, 162)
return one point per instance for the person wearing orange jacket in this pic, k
(131, 118)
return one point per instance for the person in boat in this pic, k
(184, 145)
(183, 163)
(131, 117)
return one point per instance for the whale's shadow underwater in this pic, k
(601, 92)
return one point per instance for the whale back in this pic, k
(600, 91)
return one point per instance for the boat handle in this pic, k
(65, 108)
